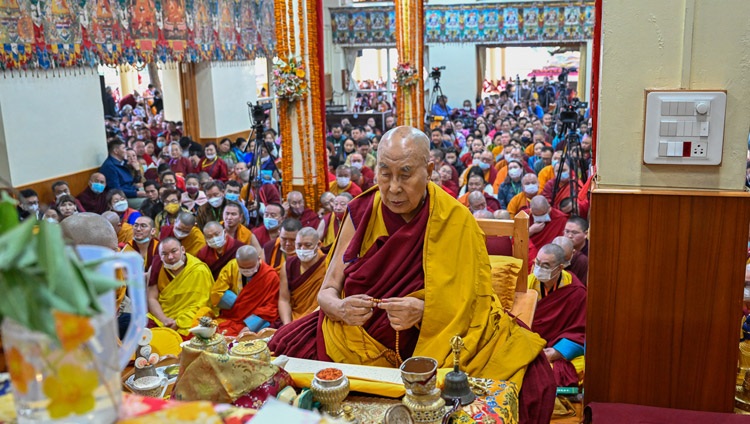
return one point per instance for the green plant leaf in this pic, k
(53, 255)
(8, 213)
(13, 242)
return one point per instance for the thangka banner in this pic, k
(506, 23)
(44, 34)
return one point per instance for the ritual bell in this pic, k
(456, 384)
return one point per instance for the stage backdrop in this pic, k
(506, 23)
(44, 34)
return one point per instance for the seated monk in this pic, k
(299, 211)
(580, 268)
(301, 277)
(331, 222)
(406, 275)
(477, 184)
(548, 222)
(561, 189)
(246, 294)
(276, 251)
(123, 229)
(343, 182)
(181, 288)
(184, 230)
(220, 248)
(272, 218)
(479, 200)
(520, 202)
(143, 241)
(560, 316)
(233, 218)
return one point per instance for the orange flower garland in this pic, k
(410, 45)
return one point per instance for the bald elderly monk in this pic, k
(182, 287)
(579, 269)
(277, 251)
(220, 248)
(406, 275)
(496, 246)
(546, 223)
(184, 229)
(143, 241)
(301, 277)
(123, 229)
(92, 229)
(299, 211)
(246, 294)
(560, 316)
(520, 201)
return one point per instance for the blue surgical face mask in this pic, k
(484, 166)
(160, 144)
(555, 162)
(565, 175)
(233, 197)
(270, 223)
(97, 187)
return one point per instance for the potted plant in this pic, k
(58, 320)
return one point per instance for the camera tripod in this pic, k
(257, 115)
(435, 94)
(573, 156)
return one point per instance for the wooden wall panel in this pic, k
(77, 183)
(666, 275)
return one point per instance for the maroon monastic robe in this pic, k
(562, 315)
(551, 229)
(216, 262)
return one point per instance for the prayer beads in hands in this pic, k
(355, 309)
(403, 312)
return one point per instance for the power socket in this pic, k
(698, 149)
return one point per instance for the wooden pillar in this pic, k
(299, 35)
(410, 44)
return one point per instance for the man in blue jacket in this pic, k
(118, 173)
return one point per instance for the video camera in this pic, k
(258, 111)
(435, 73)
(569, 115)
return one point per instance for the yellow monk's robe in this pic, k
(125, 234)
(304, 287)
(193, 243)
(244, 235)
(458, 296)
(183, 295)
(546, 174)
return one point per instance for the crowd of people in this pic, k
(219, 239)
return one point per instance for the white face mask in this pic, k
(343, 181)
(216, 201)
(120, 206)
(143, 240)
(542, 274)
(357, 165)
(210, 157)
(32, 207)
(177, 265)
(216, 242)
(249, 272)
(543, 218)
(179, 234)
(531, 188)
(515, 172)
(305, 255)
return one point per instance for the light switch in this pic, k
(681, 125)
(704, 129)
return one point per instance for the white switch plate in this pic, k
(671, 117)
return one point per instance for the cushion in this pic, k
(505, 270)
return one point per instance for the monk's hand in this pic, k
(552, 354)
(170, 323)
(535, 228)
(403, 312)
(355, 309)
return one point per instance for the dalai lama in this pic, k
(405, 276)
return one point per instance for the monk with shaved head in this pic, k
(246, 294)
(301, 277)
(546, 223)
(185, 230)
(560, 316)
(220, 247)
(408, 272)
(181, 288)
(144, 241)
